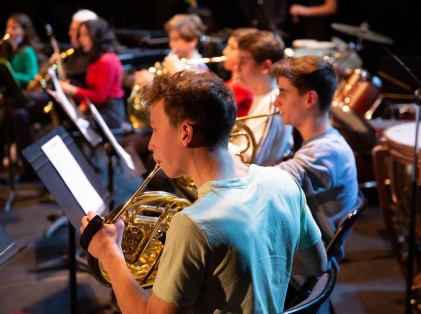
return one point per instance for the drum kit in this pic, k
(393, 148)
(358, 94)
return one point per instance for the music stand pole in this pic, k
(110, 153)
(11, 196)
(413, 216)
(72, 268)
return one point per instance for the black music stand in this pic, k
(131, 161)
(73, 112)
(75, 186)
(11, 88)
(8, 248)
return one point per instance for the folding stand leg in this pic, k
(72, 268)
(12, 193)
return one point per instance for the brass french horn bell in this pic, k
(147, 217)
(137, 113)
(244, 141)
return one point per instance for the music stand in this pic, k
(12, 88)
(73, 112)
(112, 148)
(75, 186)
(8, 248)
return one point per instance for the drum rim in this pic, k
(401, 149)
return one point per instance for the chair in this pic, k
(345, 227)
(320, 292)
(340, 235)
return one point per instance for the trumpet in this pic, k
(147, 217)
(5, 38)
(243, 118)
(188, 64)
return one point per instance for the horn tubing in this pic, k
(140, 189)
(258, 116)
(204, 60)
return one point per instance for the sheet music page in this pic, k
(110, 136)
(62, 98)
(72, 175)
(72, 111)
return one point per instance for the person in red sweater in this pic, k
(104, 73)
(243, 95)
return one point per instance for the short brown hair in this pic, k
(242, 31)
(190, 26)
(263, 45)
(202, 98)
(309, 73)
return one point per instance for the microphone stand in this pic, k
(413, 200)
(413, 206)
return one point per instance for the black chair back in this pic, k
(320, 292)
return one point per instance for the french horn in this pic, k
(244, 141)
(147, 217)
(137, 114)
(242, 138)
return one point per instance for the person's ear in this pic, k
(186, 133)
(194, 43)
(267, 64)
(312, 98)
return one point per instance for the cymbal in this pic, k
(362, 32)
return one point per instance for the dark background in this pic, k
(399, 20)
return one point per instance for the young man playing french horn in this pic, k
(232, 250)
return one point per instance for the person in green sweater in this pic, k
(22, 48)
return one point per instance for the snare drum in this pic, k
(310, 47)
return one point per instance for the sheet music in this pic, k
(72, 175)
(72, 111)
(110, 136)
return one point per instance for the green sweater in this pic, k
(25, 65)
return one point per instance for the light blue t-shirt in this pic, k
(325, 168)
(232, 250)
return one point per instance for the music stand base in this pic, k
(9, 201)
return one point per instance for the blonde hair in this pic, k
(190, 26)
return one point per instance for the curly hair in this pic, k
(203, 99)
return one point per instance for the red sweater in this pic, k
(103, 79)
(243, 97)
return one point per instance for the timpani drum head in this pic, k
(401, 140)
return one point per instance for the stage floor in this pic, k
(36, 280)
